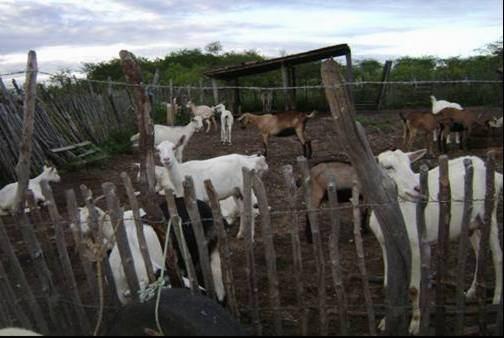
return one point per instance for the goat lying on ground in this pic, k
(438, 105)
(321, 174)
(205, 112)
(8, 193)
(282, 124)
(398, 166)
(416, 122)
(173, 134)
(226, 123)
(155, 252)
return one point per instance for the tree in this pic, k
(214, 48)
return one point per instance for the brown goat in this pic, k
(416, 122)
(321, 174)
(451, 119)
(281, 124)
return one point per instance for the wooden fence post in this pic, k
(65, 258)
(25, 149)
(41, 268)
(215, 91)
(192, 208)
(121, 236)
(380, 189)
(139, 226)
(143, 109)
(18, 273)
(334, 252)
(249, 240)
(359, 247)
(318, 250)
(269, 252)
(462, 246)
(444, 199)
(10, 297)
(224, 249)
(182, 244)
(290, 185)
(74, 216)
(484, 242)
(425, 253)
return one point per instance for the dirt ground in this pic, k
(384, 132)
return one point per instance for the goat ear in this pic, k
(180, 142)
(416, 155)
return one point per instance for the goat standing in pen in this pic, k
(205, 112)
(227, 120)
(282, 124)
(397, 165)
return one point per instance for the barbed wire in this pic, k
(261, 88)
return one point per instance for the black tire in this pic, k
(180, 314)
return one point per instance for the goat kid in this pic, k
(205, 112)
(8, 193)
(282, 124)
(227, 120)
(173, 134)
(398, 166)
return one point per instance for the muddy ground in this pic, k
(384, 132)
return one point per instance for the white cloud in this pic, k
(68, 32)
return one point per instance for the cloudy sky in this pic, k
(67, 33)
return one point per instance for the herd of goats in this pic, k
(225, 172)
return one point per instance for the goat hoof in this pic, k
(381, 325)
(414, 328)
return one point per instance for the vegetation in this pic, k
(187, 67)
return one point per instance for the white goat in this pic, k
(227, 120)
(437, 106)
(173, 134)
(225, 172)
(231, 209)
(397, 165)
(103, 219)
(155, 252)
(8, 193)
(205, 112)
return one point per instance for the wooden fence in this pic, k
(48, 279)
(71, 115)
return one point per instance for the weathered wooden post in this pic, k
(462, 247)
(334, 252)
(380, 189)
(215, 91)
(290, 185)
(485, 242)
(25, 149)
(425, 253)
(143, 110)
(444, 198)
(318, 249)
(361, 260)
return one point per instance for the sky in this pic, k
(65, 34)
